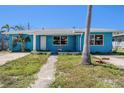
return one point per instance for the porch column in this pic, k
(34, 42)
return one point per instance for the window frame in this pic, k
(54, 40)
(95, 40)
(60, 41)
(92, 39)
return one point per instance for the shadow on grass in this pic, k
(113, 53)
(104, 65)
(117, 53)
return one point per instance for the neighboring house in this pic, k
(118, 40)
(64, 40)
(3, 42)
(0, 41)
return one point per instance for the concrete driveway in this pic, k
(113, 59)
(6, 56)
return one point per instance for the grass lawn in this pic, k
(21, 72)
(70, 73)
(118, 52)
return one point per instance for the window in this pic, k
(63, 40)
(96, 39)
(60, 40)
(92, 40)
(56, 40)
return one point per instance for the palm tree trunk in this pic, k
(86, 49)
(2, 43)
(23, 46)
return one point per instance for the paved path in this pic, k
(4, 52)
(6, 57)
(47, 73)
(114, 59)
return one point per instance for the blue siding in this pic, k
(78, 42)
(107, 47)
(29, 45)
(38, 42)
(17, 48)
(70, 46)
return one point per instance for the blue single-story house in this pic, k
(64, 40)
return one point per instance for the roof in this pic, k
(117, 35)
(59, 31)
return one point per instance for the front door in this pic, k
(43, 42)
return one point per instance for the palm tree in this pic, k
(6, 27)
(86, 49)
(23, 40)
(18, 27)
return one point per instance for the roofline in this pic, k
(118, 35)
(76, 30)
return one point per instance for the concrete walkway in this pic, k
(113, 59)
(47, 73)
(6, 57)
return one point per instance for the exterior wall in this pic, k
(29, 45)
(73, 44)
(79, 47)
(70, 46)
(77, 43)
(10, 42)
(38, 42)
(107, 47)
(17, 48)
(3, 42)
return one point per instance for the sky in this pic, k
(109, 17)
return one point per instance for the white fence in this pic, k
(118, 44)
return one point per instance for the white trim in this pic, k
(34, 42)
(94, 39)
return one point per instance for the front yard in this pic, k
(119, 51)
(70, 73)
(21, 72)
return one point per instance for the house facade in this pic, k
(62, 40)
(3, 42)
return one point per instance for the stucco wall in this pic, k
(73, 44)
(38, 42)
(107, 47)
(70, 46)
(17, 48)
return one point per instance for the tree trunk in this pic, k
(86, 49)
(23, 46)
(2, 43)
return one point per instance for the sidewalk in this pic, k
(46, 74)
